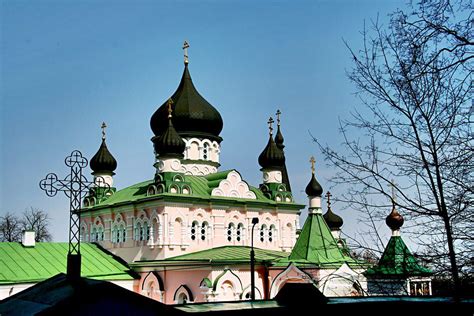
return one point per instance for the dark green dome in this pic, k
(334, 221)
(271, 156)
(103, 161)
(394, 220)
(279, 139)
(193, 116)
(314, 188)
(169, 144)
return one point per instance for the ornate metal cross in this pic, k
(312, 161)
(328, 196)
(185, 48)
(104, 126)
(270, 122)
(169, 104)
(75, 186)
(278, 113)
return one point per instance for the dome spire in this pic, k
(185, 49)
(271, 157)
(334, 221)
(103, 164)
(169, 144)
(394, 220)
(270, 128)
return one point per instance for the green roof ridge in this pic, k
(317, 246)
(397, 260)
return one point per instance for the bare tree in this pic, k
(10, 228)
(37, 220)
(414, 77)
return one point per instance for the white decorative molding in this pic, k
(233, 186)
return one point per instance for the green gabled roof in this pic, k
(397, 260)
(317, 247)
(224, 254)
(20, 264)
(201, 187)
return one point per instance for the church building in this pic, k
(189, 229)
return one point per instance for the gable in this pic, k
(233, 186)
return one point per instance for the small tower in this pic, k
(103, 164)
(333, 220)
(272, 160)
(169, 148)
(279, 141)
(314, 192)
(394, 220)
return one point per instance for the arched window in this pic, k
(100, 233)
(194, 227)
(94, 234)
(114, 234)
(83, 234)
(271, 233)
(263, 232)
(122, 234)
(183, 298)
(145, 235)
(230, 231)
(239, 232)
(204, 228)
(138, 228)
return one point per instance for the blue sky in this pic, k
(66, 66)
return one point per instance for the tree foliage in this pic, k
(414, 78)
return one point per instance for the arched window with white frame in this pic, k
(239, 234)
(204, 230)
(194, 230)
(230, 232)
(272, 233)
(263, 233)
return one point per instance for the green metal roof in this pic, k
(20, 264)
(397, 260)
(317, 247)
(225, 254)
(201, 187)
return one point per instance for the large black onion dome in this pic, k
(193, 116)
(103, 161)
(394, 220)
(314, 188)
(271, 156)
(279, 139)
(334, 221)
(169, 144)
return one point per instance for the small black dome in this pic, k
(279, 139)
(314, 188)
(334, 221)
(271, 156)
(193, 116)
(169, 144)
(394, 220)
(103, 161)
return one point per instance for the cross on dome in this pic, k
(169, 104)
(328, 196)
(312, 161)
(270, 122)
(185, 48)
(278, 113)
(103, 127)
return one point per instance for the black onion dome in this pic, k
(193, 116)
(103, 161)
(334, 221)
(271, 156)
(169, 144)
(314, 188)
(279, 139)
(394, 220)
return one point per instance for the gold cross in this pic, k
(312, 161)
(278, 113)
(104, 126)
(270, 122)
(328, 196)
(185, 48)
(170, 103)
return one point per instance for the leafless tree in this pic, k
(414, 78)
(10, 229)
(37, 220)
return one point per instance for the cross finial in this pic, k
(185, 48)
(278, 113)
(312, 161)
(328, 196)
(394, 196)
(104, 126)
(270, 122)
(170, 110)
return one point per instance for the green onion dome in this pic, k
(271, 157)
(314, 188)
(103, 161)
(394, 220)
(193, 116)
(169, 144)
(334, 221)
